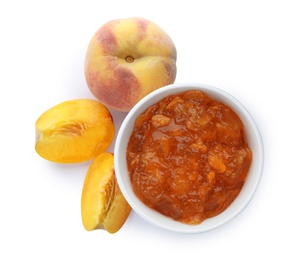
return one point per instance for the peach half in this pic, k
(74, 131)
(103, 205)
(127, 59)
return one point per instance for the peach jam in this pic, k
(188, 157)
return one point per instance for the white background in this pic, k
(251, 49)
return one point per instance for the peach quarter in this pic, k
(74, 131)
(103, 205)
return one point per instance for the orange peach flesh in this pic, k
(74, 131)
(103, 206)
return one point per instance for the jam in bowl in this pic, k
(188, 157)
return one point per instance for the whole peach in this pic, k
(128, 58)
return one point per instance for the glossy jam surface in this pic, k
(187, 157)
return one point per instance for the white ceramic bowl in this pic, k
(253, 138)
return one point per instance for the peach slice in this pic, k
(74, 131)
(103, 205)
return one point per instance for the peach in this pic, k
(74, 131)
(128, 58)
(103, 205)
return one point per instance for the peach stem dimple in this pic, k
(129, 59)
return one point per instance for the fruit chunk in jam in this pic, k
(187, 157)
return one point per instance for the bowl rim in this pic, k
(245, 195)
